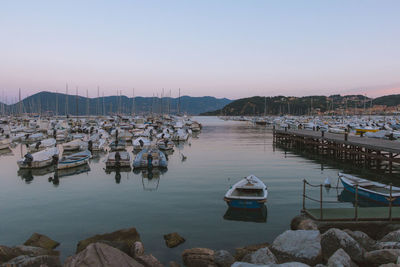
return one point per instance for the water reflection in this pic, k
(346, 196)
(246, 215)
(118, 172)
(73, 171)
(29, 174)
(6, 152)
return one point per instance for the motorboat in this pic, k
(118, 159)
(149, 158)
(76, 144)
(74, 160)
(248, 193)
(165, 144)
(140, 143)
(39, 159)
(40, 145)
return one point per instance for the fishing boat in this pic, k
(118, 145)
(46, 143)
(149, 158)
(371, 190)
(118, 159)
(248, 193)
(75, 144)
(74, 160)
(39, 159)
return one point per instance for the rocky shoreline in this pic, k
(308, 243)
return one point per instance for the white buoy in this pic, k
(327, 183)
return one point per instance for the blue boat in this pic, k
(248, 193)
(370, 190)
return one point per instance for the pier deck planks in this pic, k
(370, 213)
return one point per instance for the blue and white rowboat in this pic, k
(370, 190)
(248, 193)
(74, 160)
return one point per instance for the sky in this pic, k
(224, 48)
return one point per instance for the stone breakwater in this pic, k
(308, 243)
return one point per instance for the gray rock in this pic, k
(100, 254)
(387, 245)
(198, 257)
(334, 239)
(37, 261)
(292, 264)
(286, 264)
(382, 256)
(301, 246)
(174, 264)
(36, 251)
(261, 256)
(7, 253)
(223, 258)
(241, 252)
(149, 261)
(392, 237)
(42, 241)
(363, 239)
(296, 221)
(340, 259)
(137, 249)
(246, 264)
(173, 240)
(390, 265)
(307, 224)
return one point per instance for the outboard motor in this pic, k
(55, 159)
(90, 145)
(26, 136)
(149, 161)
(38, 145)
(141, 143)
(55, 133)
(117, 159)
(28, 159)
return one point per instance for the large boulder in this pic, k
(241, 252)
(392, 237)
(7, 253)
(301, 246)
(173, 240)
(42, 241)
(261, 256)
(334, 239)
(148, 261)
(363, 239)
(297, 220)
(198, 257)
(382, 256)
(137, 249)
(36, 251)
(100, 254)
(37, 261)
(387, 245)
(340, 259)
(223, 258)
(124, 238)
(287, 264)
(307, 224)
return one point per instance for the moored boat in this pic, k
(39, 159)
(371, 190)
(149, 158)
(118, 159)
(248, 193)
(74, 160)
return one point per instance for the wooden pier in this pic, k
(373, 153)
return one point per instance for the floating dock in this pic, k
(373, 153)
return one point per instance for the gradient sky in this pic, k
(224, 48)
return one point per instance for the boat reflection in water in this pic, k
(150, 178)
(346, 196)
(73, 171)
(247, 215)
(28, 174)
(118, 172)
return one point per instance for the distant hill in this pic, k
(299, 105)
(47, 102)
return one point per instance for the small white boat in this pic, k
(141, 143)
(46, 143)
(118, 159)
(248, 193)
(164, 144)
(5, 143)
(76, 144)
(149, 158)
(74, 160)
(39, 159)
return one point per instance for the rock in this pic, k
(392, 237)
(296, 221)
(100, 254)
(340, 259)
(7, 253)
(363, 239)
(382, 256)
(333, 239)
(307, 224)
(36, 251)
(387, 245)
(173, 240)
(246, 264)
(261, 256)
(149, 261)
(174, 264)
(137, 249)
(301, 245)
(42, 241)
(127, 236)
(198, 257)
(291, 264)
(241, 252)
(223, 258)
(38, 261)
(287, 264)
(390, 265)
(124, 247)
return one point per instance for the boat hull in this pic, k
(72, 164)
(370, 195)
(244, 203)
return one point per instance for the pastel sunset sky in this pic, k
(224, 48)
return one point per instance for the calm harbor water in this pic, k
(188, 198)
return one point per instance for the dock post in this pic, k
(320, 202)
(356, 204)
(390, 203)
(304, 194)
